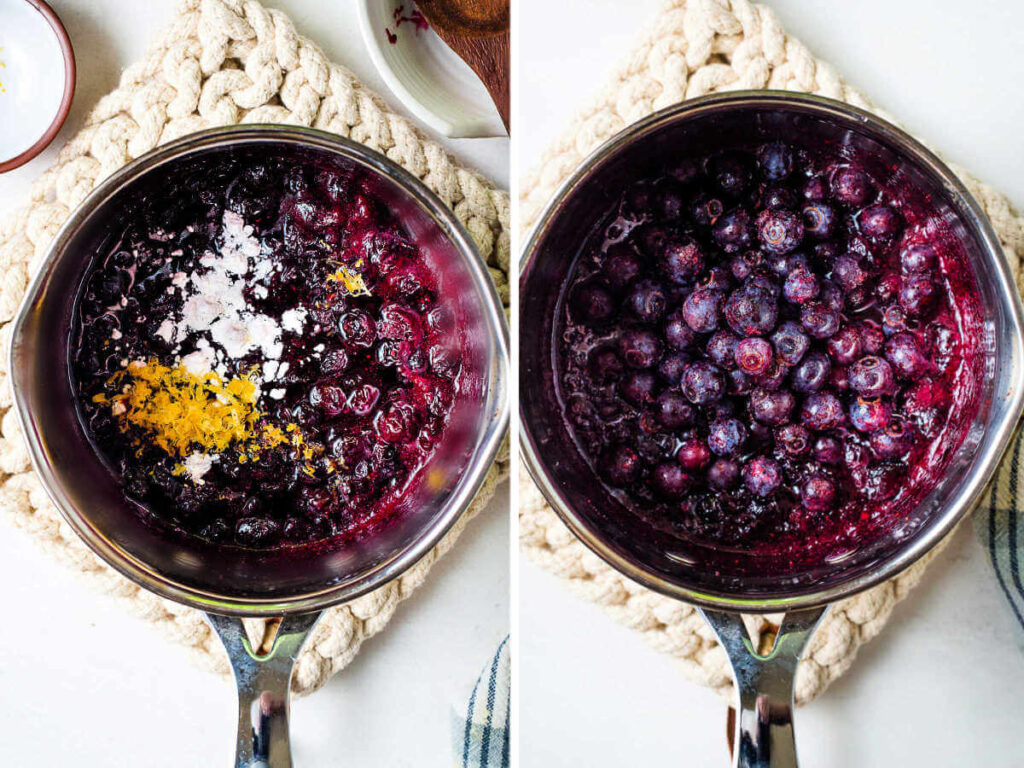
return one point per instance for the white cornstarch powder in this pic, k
(216, 324)
(214, 306)
(197, 465)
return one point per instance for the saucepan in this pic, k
(712, 580)
(230, 582)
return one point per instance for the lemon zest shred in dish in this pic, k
(350, 280)
(181, 411)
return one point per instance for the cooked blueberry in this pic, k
(681, 260)
(729, 173)
(726, 436)
(771, 408)
(646, 301)
(846, 345)
(639, 348)
(873, 337)
(257, 531)
(721, 349)
(703, 383)
(798, 341)
(894, 441)
(651, 239)
(775, 160)
(821, 411)
(791, 343)
(693, 455)
(592, 303)
(872, 377)
(819, 220)
(779, 231)
(828, 450)
(358, 328)
(621, 267)
(671, 367)
(762, 475)
(801, 286)
(905, 355)
(869, 414)
(894, 320)
(716, 279)
(815, 188)
(743, 265)
(851, 186)
(818, 493)
(638, 387)
(723, 474)
(701, 310)
(880, 222)
(819, 320)
(668, 197)
(670, 480)
(754, 355)
(847, 272)
(918, 295)
(605, 366)
(705, 209)
(778, 196)
(620, 465)
(673, 410)
(678, 333)
(751, 311)
(733, 230)
(793, 439)
(918, 258)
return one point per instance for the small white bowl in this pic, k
(435, 85)
(37, 79)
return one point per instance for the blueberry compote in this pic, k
(769, 349)
(261, 353)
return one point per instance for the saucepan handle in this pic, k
(263, 687)
(764, 728)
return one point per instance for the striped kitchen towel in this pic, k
(999, 521)
(480, 733)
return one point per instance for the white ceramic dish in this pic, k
(435, 85)
(37, 79)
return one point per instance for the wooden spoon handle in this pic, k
(489, 58)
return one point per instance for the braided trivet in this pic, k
(223, 62)
(695, 48)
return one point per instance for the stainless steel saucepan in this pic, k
(725, 584)
(231, 582)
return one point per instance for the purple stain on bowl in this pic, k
(414, 17)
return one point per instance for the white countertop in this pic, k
(82, 683)
(941, 686)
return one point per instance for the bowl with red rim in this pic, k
(37, 79)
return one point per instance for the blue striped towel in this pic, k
(1000, 526)
(480, 734)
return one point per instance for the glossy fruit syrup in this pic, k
(768, 349)
(262, 356)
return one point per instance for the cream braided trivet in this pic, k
(224, 62)
(699, 47)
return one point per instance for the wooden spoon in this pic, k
(478, 31)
